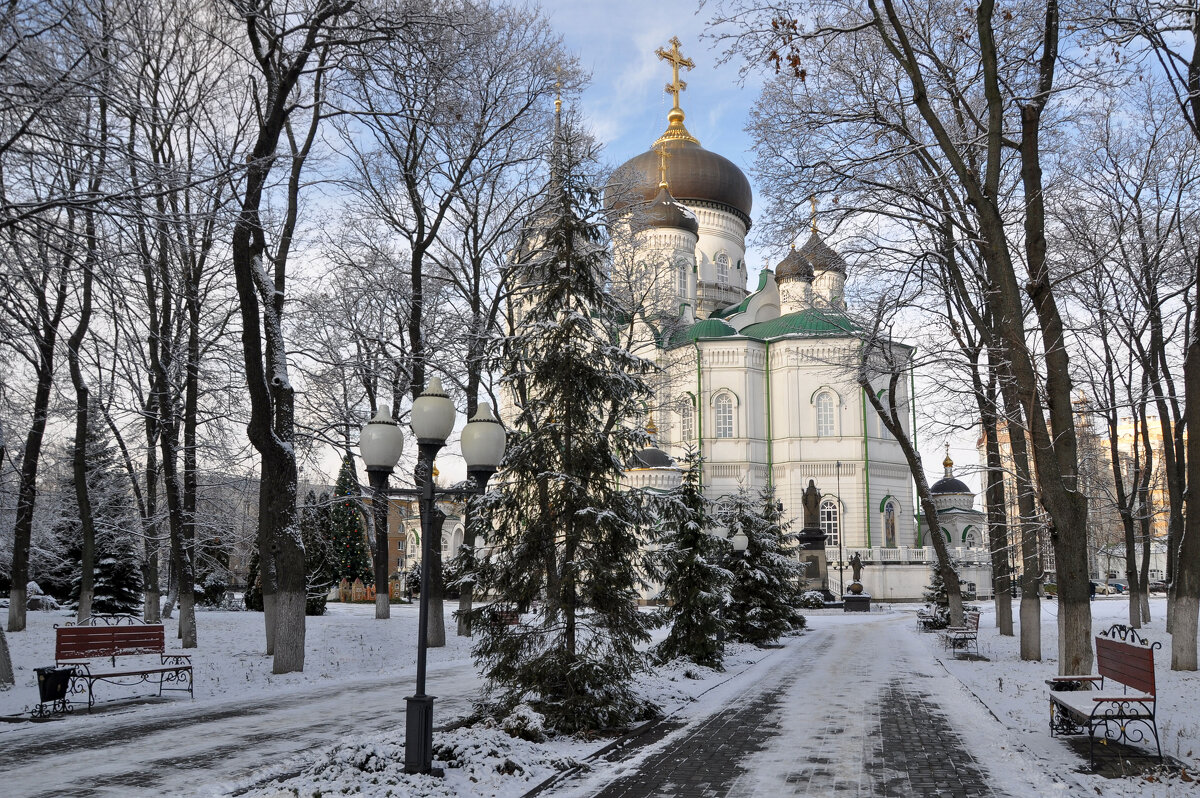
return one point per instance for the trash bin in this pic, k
(53, 682)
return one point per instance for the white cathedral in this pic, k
(757, 382)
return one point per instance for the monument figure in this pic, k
(812, 506)
(856, 565)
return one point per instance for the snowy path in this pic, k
(854, 707)
(177, 748)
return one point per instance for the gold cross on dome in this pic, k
(677, 60)
(663, 155)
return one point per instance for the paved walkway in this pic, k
(841, 712)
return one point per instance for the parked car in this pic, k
(1050, 589)
(1158, 586)
(1118, 587)
(1101, 589)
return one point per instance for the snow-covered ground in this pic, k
(338, 727)
(1014, 692)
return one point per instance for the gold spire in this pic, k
(663, 155)
(557, 91)
(813, 202)
(651, 428)
(948, 464)
(675, 129)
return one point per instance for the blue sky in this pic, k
(625, 105)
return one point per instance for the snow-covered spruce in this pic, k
(688, 564)
(567, 538)
(765, 595)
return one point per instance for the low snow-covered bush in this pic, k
(525, 723)
(811, 600)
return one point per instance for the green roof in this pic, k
(812, 321)
(725, 313)
(706, 328)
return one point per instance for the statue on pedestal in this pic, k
(856, 565)
(812, 506)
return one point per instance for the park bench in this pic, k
(927, 620)
(1092, 703)
(84, 648)
(961, 638)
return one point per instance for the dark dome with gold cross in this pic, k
(694, 174)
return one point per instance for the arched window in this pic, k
(971, 538)
(445, 546)
(830, 522)
(722, 261)
(682, 278)
(889, 524)
(723, 412)
(687, 421)
(825, 418)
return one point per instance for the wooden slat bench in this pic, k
(1092, 703)
(926, 620)
(81, 646)
(961, 638)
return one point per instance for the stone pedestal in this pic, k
(860, 602)
(812, 556)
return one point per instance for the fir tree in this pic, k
(688, 563)
(937, 599)
(253, 597)
(315, 525)
(565, 532)
(765, 590)
(117, 576)
(347, 535)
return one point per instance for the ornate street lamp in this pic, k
(482, 445)
(381, 444)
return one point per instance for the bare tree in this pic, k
(1169, 32)
(439, 102)
(291, 49)
(979, 86)
(1127, 216)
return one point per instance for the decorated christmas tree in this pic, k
(348, 552)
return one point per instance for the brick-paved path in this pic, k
(831, 715)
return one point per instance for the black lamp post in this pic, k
(381, 444)
(841, 546)
(482, 447)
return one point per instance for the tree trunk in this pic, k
(378, 479)
(466, 593)
(187, 618)
(997, 514)
(436, 637)
(282, 60)
(7, 677)
(27, 489)
(890, 416)
(1186, 586)
(152, 612)
(1031, 565)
